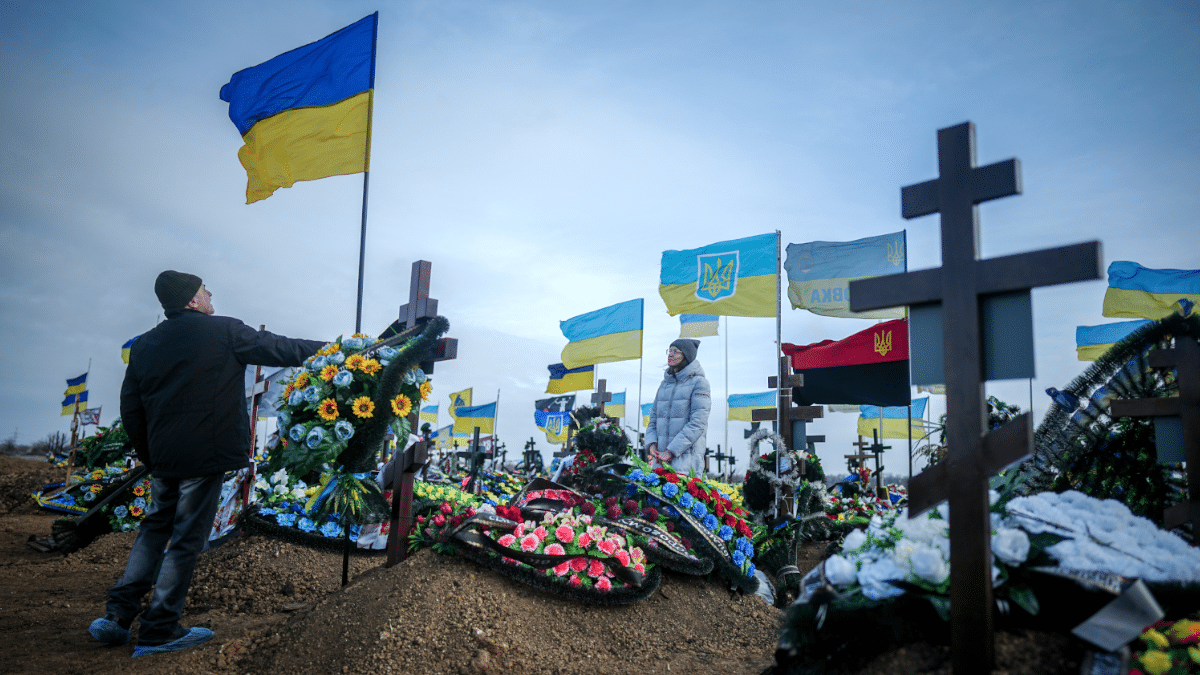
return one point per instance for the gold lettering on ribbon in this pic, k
(883, 342)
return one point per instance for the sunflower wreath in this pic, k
(337, 409)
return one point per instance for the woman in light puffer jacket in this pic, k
(679, 416)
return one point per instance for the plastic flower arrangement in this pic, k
(126, 514)
(1168, 647)
(106, 447)
(278, 489)
(496, 488)
(336, 410)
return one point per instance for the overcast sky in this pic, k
(543, 155)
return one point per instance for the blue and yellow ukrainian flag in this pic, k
(741, 406)
(563, 379)
(76, 395)
(613, 333)
(306, 114)
(616, 407)
(819, 273)
(482, 416)
(697, 325)
(895, 420)
(459, 399)
(728, 278)
(445, 437)
(646, 409)
(1092, 341)
(125, 348)
(1140, 293)
(429, 414)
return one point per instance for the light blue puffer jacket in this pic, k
(679, 417)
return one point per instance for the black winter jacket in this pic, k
(183, 401)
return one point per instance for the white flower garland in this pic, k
(766, 474)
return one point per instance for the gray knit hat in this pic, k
(688, 347)
(176, 289)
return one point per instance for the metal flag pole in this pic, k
(780, 412)
(495, 425)
(362, 241)
(727, 448)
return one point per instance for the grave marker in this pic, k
(979, 301)
(1185, 358)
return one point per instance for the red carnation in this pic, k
(470, 511)
(446, 508)
(720, 510)
(604, 584)
(560, 570)
(439, 520)
(631, 506)
(575, 582)
(595, 568)
(421, 519)
(579, 564)
(670, 477)
(744, 529)
(456, 520)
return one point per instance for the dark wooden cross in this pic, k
(795, 418)
(408, 462)
(601, 397)
(878, 448)
(856, 460)
(721, 457)
(475, 455)
(419, 309)
(531, 457)
(964, 286)
(1185, 357)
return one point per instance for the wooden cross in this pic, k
(419, 309)
(408, 462)
(476, 456)
(878, 448)
(1185, 357)
(529, 457)
(601, 397)
(961, 286)
(797, 416)
(721, 457)
(856, 460)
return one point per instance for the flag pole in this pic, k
(779, 411)
(362, 241)
(727, 448)
(639, 415)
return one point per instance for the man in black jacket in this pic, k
(183, 405)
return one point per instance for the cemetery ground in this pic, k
(279, 607)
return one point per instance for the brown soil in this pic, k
(279, 607)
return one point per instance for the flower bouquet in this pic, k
(337, 409)
(107, 447)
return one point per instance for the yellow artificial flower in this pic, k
(364, 407)
(354, 361)
(1156, 662)
(328, 410)
(426, 390)
(401, 405)
(301, 380)
(362, 335)
(1156, 638)
(333, 348)
(97, 488)
(135, 511)
(370, 366)
(328, 372)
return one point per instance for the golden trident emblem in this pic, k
(895, 253)
(883, 342)
(716, 280)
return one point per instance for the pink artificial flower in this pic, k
(595, 568)
(555, 549)
(446, 508)
(596, 533)
(564, 533)
(586, 519)
(579, 564)
(575, 582)
(623, 556)
(421, 519)
(529, 543)
(439, 520)
(560, 570)
(541, 532)
(606, 546)
(637, 554)
(584, 540)
(470, 511)
(506, 540)
(519, 530)
(639, 568)
(604, 584)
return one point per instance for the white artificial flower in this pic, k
(279, 476)
(854, 541)
(1010, 545)
(874, 577)
(928, 564)
(298, 493)
(839, 571)
(281, 490)
(262, 484)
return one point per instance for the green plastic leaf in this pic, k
(941, 605)
(1024, 597)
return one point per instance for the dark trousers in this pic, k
(181, 513)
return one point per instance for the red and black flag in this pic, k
(869, 367)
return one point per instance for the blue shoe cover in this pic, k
(109, 632)
(195, 636)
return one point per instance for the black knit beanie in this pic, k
(688, 347)
(176, 289)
